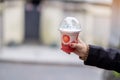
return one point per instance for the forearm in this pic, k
(106, 59)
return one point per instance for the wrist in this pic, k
(85, 54)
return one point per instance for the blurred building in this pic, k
(32, 21)
(13, 21)
(0, 24)
(115, 28)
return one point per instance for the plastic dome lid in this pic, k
(70, 24)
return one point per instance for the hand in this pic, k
(81, 49)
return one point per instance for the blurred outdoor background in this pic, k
(30, 40)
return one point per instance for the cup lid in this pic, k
(70, 24)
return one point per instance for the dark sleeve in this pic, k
(104, 58)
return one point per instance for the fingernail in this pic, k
(69, 44)
(72, 45)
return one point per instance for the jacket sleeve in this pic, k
(103, 58)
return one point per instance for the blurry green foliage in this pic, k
(116, 74)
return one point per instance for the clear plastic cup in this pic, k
(69, 30)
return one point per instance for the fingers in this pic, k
(79, 53)
(76, 45)
(76, 52)
(73, 45)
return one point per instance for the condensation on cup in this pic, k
(69, 29)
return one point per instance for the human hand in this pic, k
(81, 49)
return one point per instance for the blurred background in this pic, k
(30, 40)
